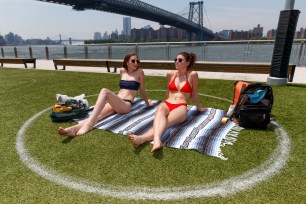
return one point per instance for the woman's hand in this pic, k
(151, 103)
(202, 109)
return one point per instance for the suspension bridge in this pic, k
(139, 9)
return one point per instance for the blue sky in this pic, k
(36, 19)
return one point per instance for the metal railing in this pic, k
(221, 51)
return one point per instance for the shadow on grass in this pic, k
(159, 154)
(67, 140)
(297, 85)
(140, 148)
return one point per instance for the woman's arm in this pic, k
(121, 70)
(142, 87)
(169, 76)
(195, 90)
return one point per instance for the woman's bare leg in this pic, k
(117, 104)
(164, 120)
(72, 131)
(101, 110)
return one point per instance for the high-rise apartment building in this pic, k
(127, 26)
(97, 36)
(301, 34)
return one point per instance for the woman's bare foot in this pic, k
(84, 129)
(156, 146)
(66, 131)
(136, 140)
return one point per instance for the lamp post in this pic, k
(283, 43)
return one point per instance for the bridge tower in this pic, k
(196, 12)
(196, 15)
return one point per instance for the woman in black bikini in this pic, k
(132, 79)
(182, 85)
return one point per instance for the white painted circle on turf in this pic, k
(247, 180)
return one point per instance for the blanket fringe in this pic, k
(229, 139)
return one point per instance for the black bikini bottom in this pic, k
(128, 101)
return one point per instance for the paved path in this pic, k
(299, 76)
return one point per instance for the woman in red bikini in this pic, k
(182, 85)
(132, 79)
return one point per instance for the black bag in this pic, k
(72, 109)
(254, 106)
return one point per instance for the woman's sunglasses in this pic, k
(133, 61)
(179, 59)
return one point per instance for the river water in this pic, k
(250, 51)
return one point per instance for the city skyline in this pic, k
(35, 19)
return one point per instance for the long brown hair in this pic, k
(127, 58)
(190, 57)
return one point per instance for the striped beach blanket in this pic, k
(201, 131)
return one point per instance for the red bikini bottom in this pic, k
(172, 106)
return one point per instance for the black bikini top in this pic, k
(130, 85)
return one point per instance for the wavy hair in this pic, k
(190, 57)
(127, 58)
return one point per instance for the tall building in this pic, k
(224, 34)
(301, 34)
(105, 36)
(127, 26)
(257, 31)
(271, 34)
(147, 33)
(97, 36)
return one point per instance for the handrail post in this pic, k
(109, 52)
(300, 54)
(30, 52)
(16, 53)
(86, 51)
(247, 51)
(168, 51)
(65, 52)
(47, 52)
(2, 52)
(136, 49)
(303, 55)
(205, 51)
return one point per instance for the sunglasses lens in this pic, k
(133, 61)
(180, 60)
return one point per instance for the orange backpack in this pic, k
(239, 87)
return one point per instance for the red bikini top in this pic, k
(186, 88)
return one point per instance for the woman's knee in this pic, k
(104, 91)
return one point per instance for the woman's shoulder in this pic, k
(193, 73)
(122, 70)
(139, 71)
(171, 73)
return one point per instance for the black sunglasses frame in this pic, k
(179, 59)
(133, 61)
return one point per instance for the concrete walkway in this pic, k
(299, 76)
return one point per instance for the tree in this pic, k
(13, 39)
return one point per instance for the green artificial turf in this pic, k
(108, 159)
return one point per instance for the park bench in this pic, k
(24, 61)
(87, 63)
(206, 66)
